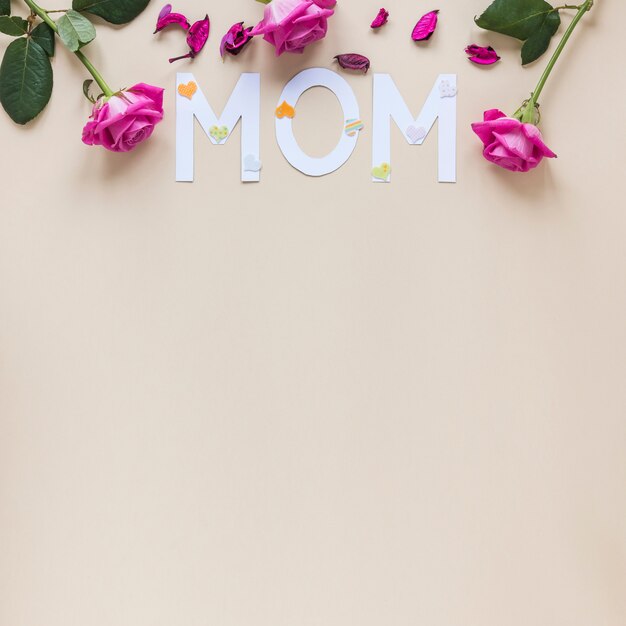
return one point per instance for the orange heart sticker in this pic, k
(285, 110)
(187, 90)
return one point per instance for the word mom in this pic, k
(245, 104)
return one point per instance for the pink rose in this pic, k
(123, 121)
(291, 25)
(511, 144)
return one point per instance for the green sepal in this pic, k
(25, 80)
(86, 87)
(113, 11)
(13, 26)
(44, 36)
(75, 30)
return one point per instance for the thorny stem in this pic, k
(43, 14)
(532, 104)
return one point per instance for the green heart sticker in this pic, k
(382, 171)
(218, 133)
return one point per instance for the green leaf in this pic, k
(25, 80)
(75, 30)
(539, 41)
(44, 36)
(516, 18)
(5, 7)
(532, 21)
(14, 26)
(114, 11)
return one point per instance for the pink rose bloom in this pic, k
(511, 144)
(291, 25)
(123, 121)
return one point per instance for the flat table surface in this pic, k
(317, 402)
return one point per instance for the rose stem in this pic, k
(582, 9)
(43, 14)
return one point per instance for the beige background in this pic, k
(317, 402)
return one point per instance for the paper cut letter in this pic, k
(317, 77)
(244, 104)
(440, 104)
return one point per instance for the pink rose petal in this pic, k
(235, 40)
(196, 39)
(167, 18)
(355, 62)
(482, 55)
(165, 11)
(425, 27)
(198, 35)
(381, 19)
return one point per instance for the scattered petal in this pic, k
(167, 18)
(196, 38)
(355, 62)
(198, 35)
(235, 40)
(165, 11)
(425, 27)
(381, 19)
(481, 55)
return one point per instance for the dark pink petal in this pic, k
(198, 35)
(381, 19)
(166, 10)
(481, 55)
(167, 18)
(425, 27)
(235, 40)
(353, 62)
